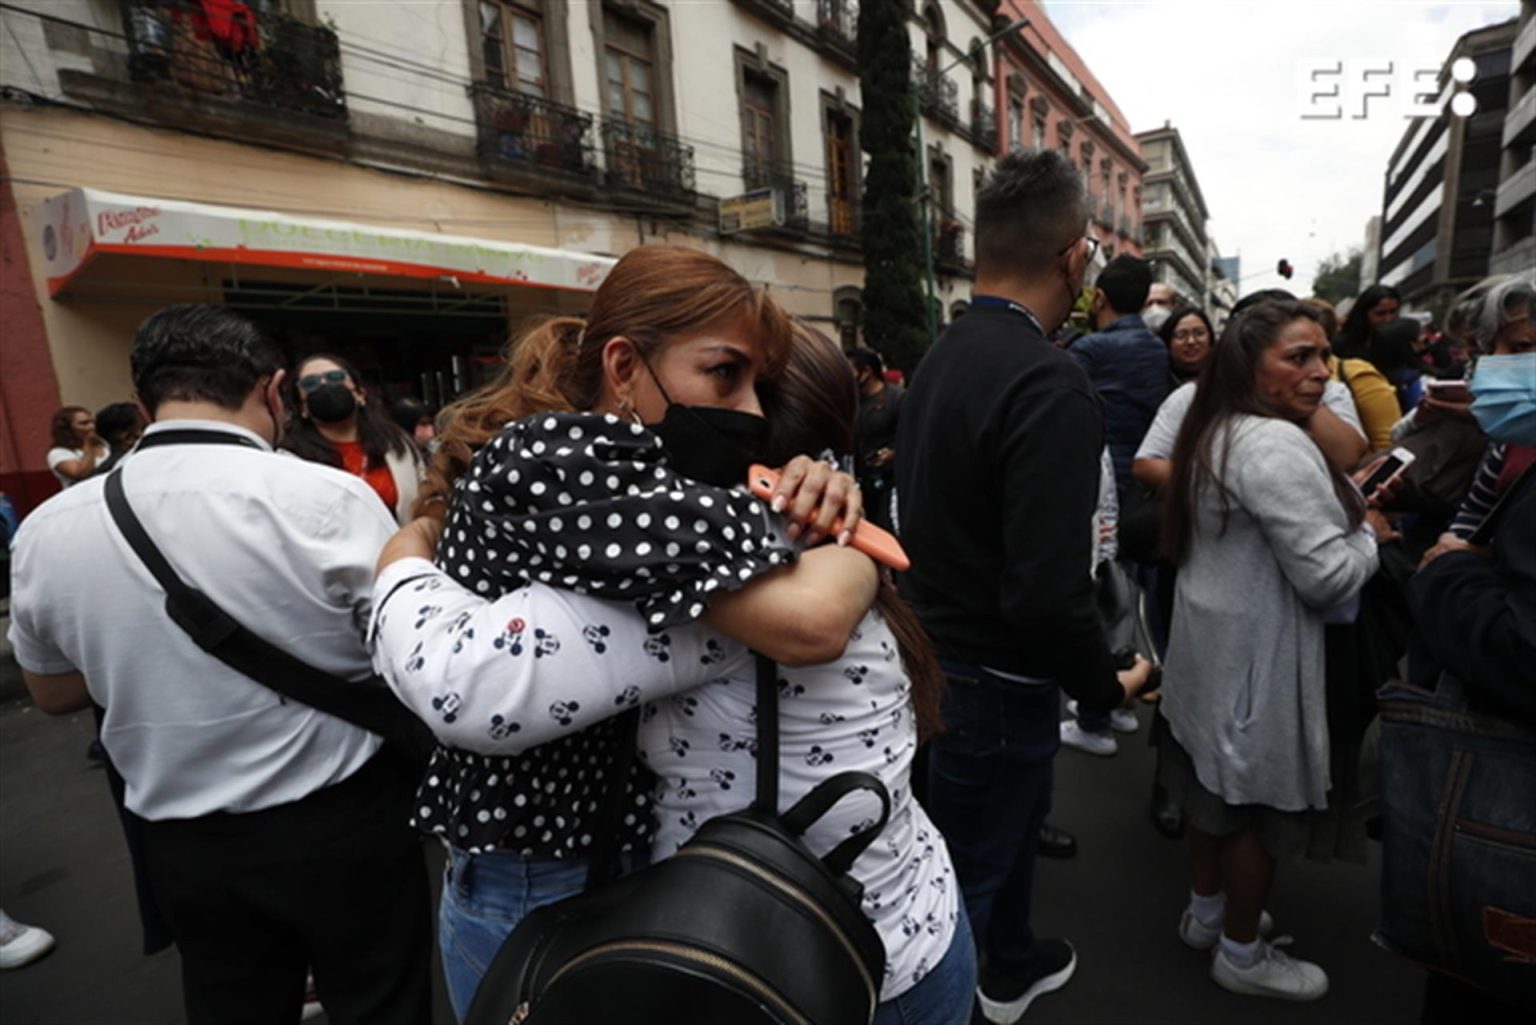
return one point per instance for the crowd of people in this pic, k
(563, 578)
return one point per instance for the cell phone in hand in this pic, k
(1390, 468)
(1448, 390)
(875, 542)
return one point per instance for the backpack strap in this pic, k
(367, 704)
(767, 801)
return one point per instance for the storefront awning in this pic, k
(79, 224)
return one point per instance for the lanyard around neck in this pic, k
(194, 436)
(997, 302)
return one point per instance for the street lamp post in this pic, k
(922, 167)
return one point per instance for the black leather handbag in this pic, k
(1122, 608)
(744, 925)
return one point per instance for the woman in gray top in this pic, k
(1269, 540)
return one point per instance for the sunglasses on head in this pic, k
(309, 382)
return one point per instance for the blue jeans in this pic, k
(945, 994)
(485, 896)
(989, 792)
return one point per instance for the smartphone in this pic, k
(1448, 390)
(1392, 467)
(877, 543)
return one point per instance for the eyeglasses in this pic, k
(1093, 247)
(309, 382)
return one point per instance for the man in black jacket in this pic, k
(997, 480)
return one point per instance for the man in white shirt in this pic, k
(275, 836)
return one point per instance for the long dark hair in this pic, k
(1228, 388)
(378, 434)
(1171, 325)
(811, 407)
(62, 427)
(1391, 348)
(1354, 338)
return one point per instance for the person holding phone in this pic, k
(865, 710)
(1267, 538)
(603, 462)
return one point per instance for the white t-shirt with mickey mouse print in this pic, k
(855, 713)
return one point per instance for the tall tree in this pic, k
(893, 266)
(1338, 277)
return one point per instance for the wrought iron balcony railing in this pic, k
(984, 125)
(949, 242)
(534, 131)
(645, 159)
(792, 196)
(274, 60)
(938, 95)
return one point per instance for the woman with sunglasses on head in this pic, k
(336, 424)
(603, 462)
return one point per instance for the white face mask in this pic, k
(1155, 316)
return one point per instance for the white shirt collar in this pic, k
(208, 425)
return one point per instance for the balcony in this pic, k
(1123, 227)
(837, 24)
(1520, 121)
(1517, 189)
(1525, 46)
(938, 95)
(640, 158)
(776, 12)
(791, 199)
(532, 134)
(983, 125)
(272, 61)
(1105, 215)
(949, 243)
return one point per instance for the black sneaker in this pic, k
(1006, 995)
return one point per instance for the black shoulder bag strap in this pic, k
(368, 704)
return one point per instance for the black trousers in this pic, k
(335, 883)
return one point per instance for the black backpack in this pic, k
(743, 925)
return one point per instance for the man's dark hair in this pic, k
(1263, 295)
(117, 420)
(867, 359)
(1031, 208)
(194, 352)
(1125, 282)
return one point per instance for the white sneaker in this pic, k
(1197, 934)
(1274, 974)
(1101, 744)
(1121, 720)
(21, 944)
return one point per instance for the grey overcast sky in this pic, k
(1226, 73)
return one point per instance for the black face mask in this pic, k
(709, 444)
(331, 403)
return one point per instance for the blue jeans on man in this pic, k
(990, 779)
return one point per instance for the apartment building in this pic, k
(1174, 213)
(408, 183)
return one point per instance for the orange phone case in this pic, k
(876, 542)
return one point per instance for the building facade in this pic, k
(1514, 227)
(1048, 98)
(1442, 182)
(407, 184)
(1174, 213)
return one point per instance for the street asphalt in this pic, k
(63, 866)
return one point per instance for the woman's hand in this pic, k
(416, 540)
(1385, 492)
(817, 498)
(1383, 527)
(1446, 543)
(1433, 410)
